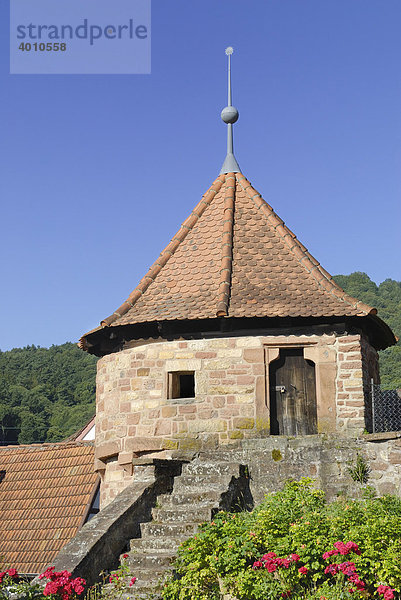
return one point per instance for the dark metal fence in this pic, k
(386, 409)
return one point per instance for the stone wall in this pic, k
(327, 459)
(349, 383)
(358, 362)
(370, 370)
(231, 403)
(383, 454)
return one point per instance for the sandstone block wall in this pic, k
(327, 459)
(231, 403)
(357, 364)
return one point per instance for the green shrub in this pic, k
(221, 557)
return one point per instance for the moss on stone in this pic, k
(235, 435)
(276, 455)
(190, 444)
(170, 444)
(262, 424)
(244, 423)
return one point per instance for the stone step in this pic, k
(148, 583)
(168, 529)
(196, 483)
(150, 560)
(210, 469)
(154, 544)
(147, 578)
(202, 498)
(196, 514)
(195, 497)
(142, 594)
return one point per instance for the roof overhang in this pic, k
(109, 339)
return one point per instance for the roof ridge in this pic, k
(323, 277)
(168, 251)
(226, 247)
(47, 445)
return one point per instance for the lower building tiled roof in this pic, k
(45, 493)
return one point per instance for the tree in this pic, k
(45, 393)
(387, 299)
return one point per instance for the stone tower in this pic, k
(235, 332)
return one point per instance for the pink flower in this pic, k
(341, 547)
(294, 557)
(360, 585)
(303, 570)
(79, 585)
(271, 567)
(348, 568)
(50, 588)
(131, 583)
(386, 591)
(331, 569)
(257, 564)
(13, 573)
(269, 556)
(353, 547)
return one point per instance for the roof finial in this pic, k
(230, 115)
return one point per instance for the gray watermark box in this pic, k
(80, 36)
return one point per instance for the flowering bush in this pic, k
(60, 585)
(120, 581)
(296, 546)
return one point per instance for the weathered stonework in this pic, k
(383, 455)
(231, 403)
(223, 476)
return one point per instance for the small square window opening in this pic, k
(181, 384)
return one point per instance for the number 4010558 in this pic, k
(42, 47)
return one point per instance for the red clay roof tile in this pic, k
(43, 499)
(233, 256)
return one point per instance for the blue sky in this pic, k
(98, 171)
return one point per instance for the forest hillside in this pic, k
(386, 297)
(46, 394)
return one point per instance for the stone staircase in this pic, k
(205, 486)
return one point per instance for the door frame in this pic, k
(324, 358)
(295, 410)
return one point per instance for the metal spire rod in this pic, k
(230, 116)
(229, 51)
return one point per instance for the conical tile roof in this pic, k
(234, 257)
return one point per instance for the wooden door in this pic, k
(292, 394)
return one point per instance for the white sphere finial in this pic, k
(229, 114)
(229, 50)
